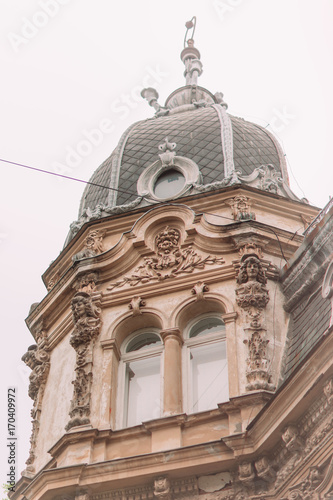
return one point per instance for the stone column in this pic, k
(173, 342)
(109, 382)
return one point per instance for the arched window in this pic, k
(140, 378)
(205, 364)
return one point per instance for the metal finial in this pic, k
(189, 25)
(191, 56)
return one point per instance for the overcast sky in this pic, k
(70, 67)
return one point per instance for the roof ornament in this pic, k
(151, 95)
(191, 56)
(168, 152)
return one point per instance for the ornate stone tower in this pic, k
(184, 348)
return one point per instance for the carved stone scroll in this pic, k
(135, 305)
(199, 289)
(169, 261)
(38, 359)
(93, 245)
(86, 328)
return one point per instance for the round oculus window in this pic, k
(169, 184)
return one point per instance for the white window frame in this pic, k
(189, 343)
(149, 352)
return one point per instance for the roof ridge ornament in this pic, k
(191, 56)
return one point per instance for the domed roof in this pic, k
(193, 144)
(198, 135)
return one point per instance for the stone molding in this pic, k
(87, 324)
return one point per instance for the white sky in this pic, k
(268, 57)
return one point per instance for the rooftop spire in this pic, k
(191, 56)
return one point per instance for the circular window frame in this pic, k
(148, 178)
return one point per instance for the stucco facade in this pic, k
(235, 248)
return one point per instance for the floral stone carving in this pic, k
(169, 261)
(38, 359)
(87, 325)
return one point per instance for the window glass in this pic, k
(143, 341)
(206, 325)
(143, 390)
(209, 375)
(169, 184)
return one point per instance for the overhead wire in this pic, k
(122, 191)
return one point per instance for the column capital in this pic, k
(111, 344)
(172, 333)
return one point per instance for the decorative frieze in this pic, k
(169, 261)
(86, 328)
(38, 359)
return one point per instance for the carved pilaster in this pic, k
(38, 359)
(252, 296)
(86, 329)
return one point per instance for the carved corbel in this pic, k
(264, 470)
(135, 305)
(162, 490)
(246, 472)
(86, 328)
(199, 289)
(291, 439)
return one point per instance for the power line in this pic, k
(66, 177)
